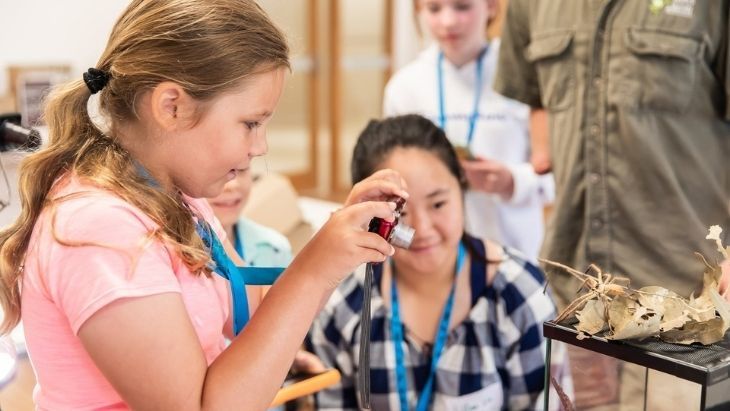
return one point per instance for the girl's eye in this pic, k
(439, 204)
(252, 124)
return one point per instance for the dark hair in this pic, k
(381, 137)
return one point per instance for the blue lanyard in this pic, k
(396, 330)
(477, 94)
(237, 276)
(225, 267)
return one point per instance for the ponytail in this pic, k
(70, 128)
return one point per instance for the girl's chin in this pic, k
(226, 220)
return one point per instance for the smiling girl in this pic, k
(457, 320)
(450, 83)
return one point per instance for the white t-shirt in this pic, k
(500, 133)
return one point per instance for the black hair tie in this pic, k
(96, 79)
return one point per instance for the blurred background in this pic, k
(343, 52)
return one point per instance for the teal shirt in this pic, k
(262, 246)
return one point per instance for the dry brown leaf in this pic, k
(707, 332)
(630, 320)
(608, 302)
(592, 318)
(670, 306)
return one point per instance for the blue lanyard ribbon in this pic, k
(477, 94)
(237, 276)
(396, 330)
(225, 267)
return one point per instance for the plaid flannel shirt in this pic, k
(500, 342)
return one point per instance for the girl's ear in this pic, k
(171, 107)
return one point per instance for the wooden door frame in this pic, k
(308, 179)
(335, 89)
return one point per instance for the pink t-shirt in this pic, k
(65, 285)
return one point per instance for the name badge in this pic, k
(486, 399)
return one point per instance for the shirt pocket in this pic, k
(551, 54)
(660, 71)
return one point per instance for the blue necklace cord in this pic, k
(238, 277)
(396, 329)
(477, 93)
(222, 264)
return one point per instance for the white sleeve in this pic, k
(530, 187)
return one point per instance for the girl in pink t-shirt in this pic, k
(109, 264)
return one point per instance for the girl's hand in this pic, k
(306, 362)
(344, 243)
(489, 176)
(380, 186)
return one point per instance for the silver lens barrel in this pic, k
(401, 236)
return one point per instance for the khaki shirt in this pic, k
(637, 97)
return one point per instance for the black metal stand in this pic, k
(708, 366)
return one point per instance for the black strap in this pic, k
(365, 327)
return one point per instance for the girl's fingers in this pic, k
(374, 256)
(379, 186)
(387, 174)
(376, 243)
(378, 189)
(307, 362)
(364, 212)
(373, 248)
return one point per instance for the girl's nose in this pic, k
(447, 17)
(259, 146)
(420, 221)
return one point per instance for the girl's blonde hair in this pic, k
(206, 46)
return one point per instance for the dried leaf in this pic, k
(608, 302)
(707, 332)
(714, 234)
(592, 318)
(629, 320)
(723, 308)
(670, 306)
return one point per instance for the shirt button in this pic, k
(596, 224)
(595, 130)
(594, 178)
(597, 82)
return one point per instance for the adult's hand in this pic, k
(489, 176)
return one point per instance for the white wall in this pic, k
(49, 32)
(74, 33)
(71, 32)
